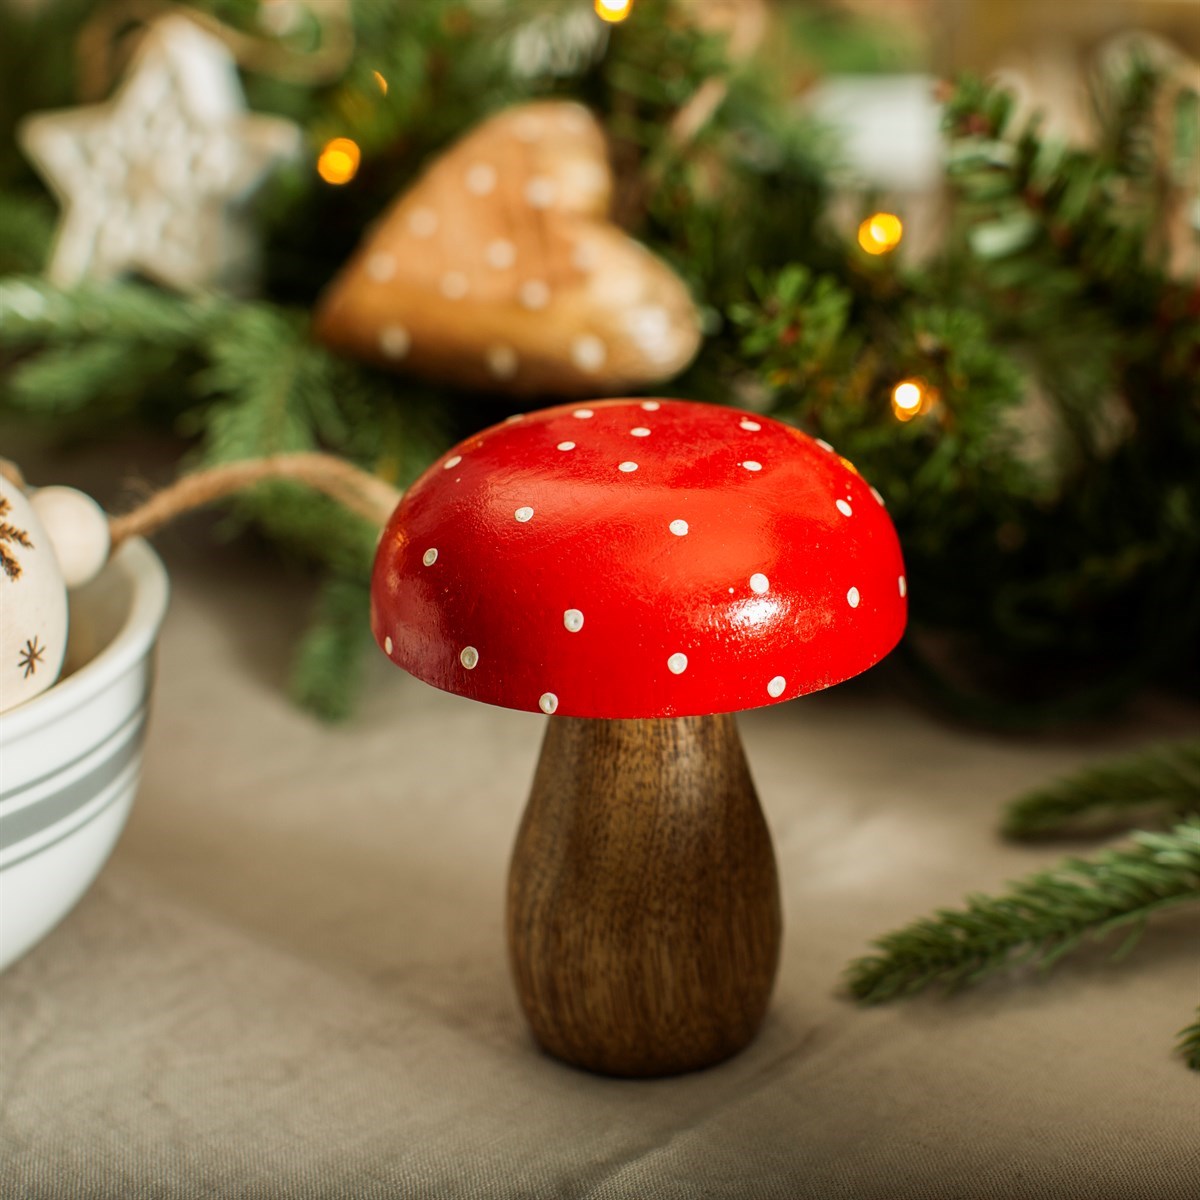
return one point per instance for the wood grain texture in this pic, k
(643, 902)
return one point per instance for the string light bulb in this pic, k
(338, 161)
(380, 81)
(880, 233)
(911, 398)
(613, 11)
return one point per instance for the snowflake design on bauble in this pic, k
(10, 535)
(32, 656)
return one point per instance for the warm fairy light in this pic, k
(339, 160)
(380, 81)
(880, 233)
(613, 11)
(910, 398)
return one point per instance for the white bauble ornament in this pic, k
(33, 602)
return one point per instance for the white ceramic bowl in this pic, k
(70, 758)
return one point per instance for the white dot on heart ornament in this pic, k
(486, 248)
(33, 602)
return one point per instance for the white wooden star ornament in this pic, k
(154, 181)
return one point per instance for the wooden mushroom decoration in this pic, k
(640, 570)
(500, 270)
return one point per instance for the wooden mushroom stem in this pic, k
(643, 900)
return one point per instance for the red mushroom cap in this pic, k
(638, 558)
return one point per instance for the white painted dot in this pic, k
(574, 117)
(454, 285)
(627, 467)
(541, 192)
(481, 179)
(469, 657)
(750, 426)
(776, 686)
(422, 222)
(534, 293)
(548, 702)
(514, 418)
(566, 446)
(844, 508)
(527, 127)
(500, 254)
(573, 620)
(430, 556)
(903, 586)
(394, 341)
(759, 583)
(502, 361)
(679, 528)
(584, 256)
(852, 597)
(878, 496)
(381, 266)
(640, 431)
(524, 513)
(823, 444)
(588, 352)
(651, 405)
(677, 664)
(583, 413)
(387, 645)
(452, 462)
(650, 327)
(752, 466)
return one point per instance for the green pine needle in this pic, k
(328, 666)
(1040, 919)
(1189, 1043)
(1162, 781)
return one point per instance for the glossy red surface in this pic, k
(638, 558)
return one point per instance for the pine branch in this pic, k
(1040, 919)
(328, 666)
(1189, 1043)
(1164, 780)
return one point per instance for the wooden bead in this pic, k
(643, 903)
(33, 602)
(78, 527)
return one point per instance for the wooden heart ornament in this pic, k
(499, 269)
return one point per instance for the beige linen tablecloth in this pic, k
(290, 979)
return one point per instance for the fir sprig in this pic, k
(1162, 782)
(1189, 1043)
(1039, 919)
